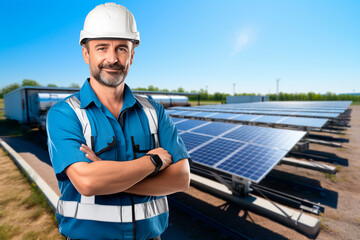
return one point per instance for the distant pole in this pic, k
(234, 89)
(277, 89)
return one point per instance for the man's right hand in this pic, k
(164, 156)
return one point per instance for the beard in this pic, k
(110, 79)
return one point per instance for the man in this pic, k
(112, 174)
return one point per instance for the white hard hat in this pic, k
(110, 20)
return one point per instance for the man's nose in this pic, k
(112, 56)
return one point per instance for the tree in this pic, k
(152, 88)
(181, 90)
(9, 88)
(51, 85)
(29, 82)
(74, 85)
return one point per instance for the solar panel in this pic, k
(201, 114)
(266, 119)
(252, 162)
(215, 151)
(320, 106)
(189, 124)
(175, 120)
(245, 117)
(192, 140)
(246, 151)
(215, 128)
(269, 119)
(260, 112)
(223, 115)
(300, 121)
(268, 137)
(174, 111)
(284, 140)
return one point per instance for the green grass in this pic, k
(355, 103)
(195, 103)
(10, 127)
(330, 176)
(37, 199)
(8, 231)
(2, 112)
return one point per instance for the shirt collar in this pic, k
(129, 98)
(87, 96)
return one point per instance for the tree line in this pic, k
(221, 97)
(205, 96)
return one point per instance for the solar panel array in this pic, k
(318, 106)
(265, 119)
(224, 109)
(247, 151)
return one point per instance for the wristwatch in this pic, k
(156, 160)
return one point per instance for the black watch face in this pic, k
(157, 160)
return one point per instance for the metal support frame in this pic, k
(238, 186)
(322, 142)
(297, 220)
(241, 188)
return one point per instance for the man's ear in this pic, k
(85, 53)
(132, 56)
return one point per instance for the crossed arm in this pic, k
(102, 177)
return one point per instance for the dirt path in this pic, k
(22, 215)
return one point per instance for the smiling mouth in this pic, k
(111, 70)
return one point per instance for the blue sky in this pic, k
(311, 45)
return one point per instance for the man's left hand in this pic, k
(89, 153)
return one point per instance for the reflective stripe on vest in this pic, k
(151, 116)
(111, 213)
(87, 209)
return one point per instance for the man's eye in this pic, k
(122, 49)
(101, 49)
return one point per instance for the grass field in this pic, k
(195, 103)
(2, 113)
(24, 211)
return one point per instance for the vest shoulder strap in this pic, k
(74, 103)
(148, 108)
(151, 116)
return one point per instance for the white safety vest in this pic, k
(87, 209)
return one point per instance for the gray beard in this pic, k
(112, 81)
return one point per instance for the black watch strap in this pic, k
(156, 160)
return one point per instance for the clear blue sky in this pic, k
(310, 45)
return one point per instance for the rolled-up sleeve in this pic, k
(65, 137)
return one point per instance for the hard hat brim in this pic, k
(86, 36)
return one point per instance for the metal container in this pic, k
(27, 104)
(170, 100)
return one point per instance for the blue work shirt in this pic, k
(130, 130)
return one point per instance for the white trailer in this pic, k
(28, 104)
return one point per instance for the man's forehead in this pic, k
(95, 42)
